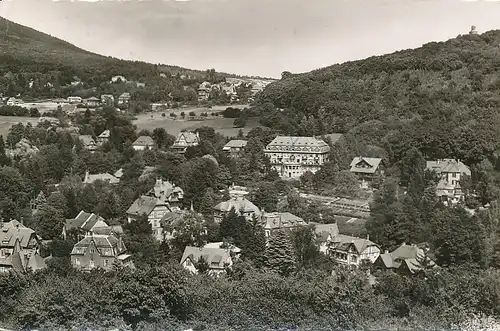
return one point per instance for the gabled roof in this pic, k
(100, 242)
(282, 220)
(448, 166)
(14, 231)
(215, 257)
(236, 144)
(343, 242)
(92, 99)
(105, 134)
(85, 221)
(90, 178)
(144, 205)
(362, 164)
(144, 141)
(124, 95)
(239, 204)
(109, 230)
(189, 137)
(87, 139)
(405, 256)
(326, 231)
(166, 190)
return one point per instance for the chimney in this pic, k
(86, 176)
(386, 252)
(367, 237)
(403, 244)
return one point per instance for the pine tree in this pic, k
(279, 254)
(254, 243)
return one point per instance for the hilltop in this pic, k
(51, 65)
(441, 98)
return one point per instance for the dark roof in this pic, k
(14, 230)
(85, 221)
(144, 205)
(100, 242)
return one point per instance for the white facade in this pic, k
(291, 157)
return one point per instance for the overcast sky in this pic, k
(253, 37)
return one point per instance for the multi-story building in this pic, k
(74, 99)
(167, 192)
(451, 172)
(273, 222)
(100, 251)
(291, 157)
(345, 249)
(185, 140)
(19, 248)
(366, 168)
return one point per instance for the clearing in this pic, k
(151, 121)
(7, 121)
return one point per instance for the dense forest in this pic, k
(441, 98)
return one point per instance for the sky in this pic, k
(252, 37)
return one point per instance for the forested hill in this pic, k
(29, 55)
(442, 98)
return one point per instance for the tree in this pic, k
(265, 196)
(4, 160)
(232, 227)
(239, 122)
(253, 245)
(202, 266)
(305, 246)
(279, 254)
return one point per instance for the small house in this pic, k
(241, 205)
(366, 168)
(143, 142)
(217, 259)
(235, 147)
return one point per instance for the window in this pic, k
(188, 263)
(106, 262)
(91, 263)
(77, 261)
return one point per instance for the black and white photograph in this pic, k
(249, 165)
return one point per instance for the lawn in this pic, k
(7, 121)
(222, 125)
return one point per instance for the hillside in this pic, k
(29, 55)
(441, 98)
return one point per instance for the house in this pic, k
(100, 251)
(107, 99)
(118, 79)
(143, 142)
(273, 222)
(151, 207)
(241, 205)
(184, 140)
(119, 173)
(217, 259)
(204, 91)
(19, 248)
(14, 102)
(124, 98)
(291, 157)
(88, 142)
(140, 85)
(345, 249)
(406, 259)
(105, 177)
(366, 168)
(92, 102)
(83, 224)
(235, 147)
(168, 193)
(103, 137)
(450, 173)
(74, 100)
(233, 250)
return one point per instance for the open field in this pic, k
(222, 125)
(7, 121)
